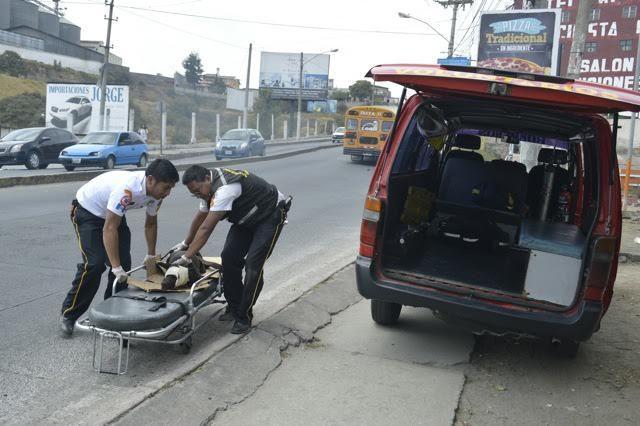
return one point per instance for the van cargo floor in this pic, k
(447, 259)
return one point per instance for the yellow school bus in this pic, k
(366, 131)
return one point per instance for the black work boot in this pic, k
(66, 326)
(229, 314)
(240, 326)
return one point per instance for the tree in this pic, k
(11, 63)
(340, 95)
(193, 69)
(361, 90)
(25, 110)
(218, 86)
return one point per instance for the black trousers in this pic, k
(88, 228)
(248, 249)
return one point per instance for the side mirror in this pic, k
(44, 139)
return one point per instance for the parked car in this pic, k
(107, 150)
(338, 135)
(34, 147)
(76, 108)
(240, 143)
(486, 243)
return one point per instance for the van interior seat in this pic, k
(551, 159)
(482, 200)
(465, 147)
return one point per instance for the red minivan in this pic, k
(527, 247)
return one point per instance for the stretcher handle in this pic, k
(113, 286)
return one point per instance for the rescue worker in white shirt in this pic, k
(257, 211)
(98, 217)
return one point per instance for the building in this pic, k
(37, 32)
(382, 95)
(208, 82)
(97, 46)
(611, 44)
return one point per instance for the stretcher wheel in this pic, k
(185, 347)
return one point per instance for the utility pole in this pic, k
(579, 38)
(632, 131)
(105, 64)
(245, 112)
(456, 4)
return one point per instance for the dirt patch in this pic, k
(524, 382)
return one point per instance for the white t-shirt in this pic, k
(118, 191)
(222, 200)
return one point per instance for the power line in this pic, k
(273, 24)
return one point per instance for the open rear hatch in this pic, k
(532, 89)
(445, 226)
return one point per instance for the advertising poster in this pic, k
(280, 74)
(76, 107)
(520, 41)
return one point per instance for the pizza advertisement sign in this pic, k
(520, 41)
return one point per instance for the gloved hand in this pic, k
(180, 247)
(183, 261)
(121, 275)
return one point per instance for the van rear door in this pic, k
(532, 89)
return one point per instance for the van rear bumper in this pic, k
(479, 315)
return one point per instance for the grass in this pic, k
(12, 86)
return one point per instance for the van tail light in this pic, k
(369, 226)
(599, 268)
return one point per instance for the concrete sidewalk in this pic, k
(322, 360)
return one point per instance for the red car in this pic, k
(526, 247)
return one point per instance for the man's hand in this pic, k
(180, 247)
(183, 261)
(121, 275)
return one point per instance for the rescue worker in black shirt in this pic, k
(257, 211)
(98, 217)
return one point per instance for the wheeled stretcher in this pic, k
(134, 314)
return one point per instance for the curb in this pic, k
(625, 257)
(88, 175)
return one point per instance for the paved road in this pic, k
(20, 171)
(38, 255)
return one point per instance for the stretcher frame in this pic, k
(186, 325)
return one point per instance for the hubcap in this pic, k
(34, 160)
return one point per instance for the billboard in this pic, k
(330, 106)
(520, 41)
(280, 74)
(76, 107)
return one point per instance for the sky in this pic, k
(152, 42)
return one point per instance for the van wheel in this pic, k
(568, 348)
(385, 313)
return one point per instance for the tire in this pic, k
(43, 166)
(568, 348)
(33, 160)
(185, 347)
(69, 168)
(385, 313)
(110, 163)
(143, 161)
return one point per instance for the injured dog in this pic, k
(179, 276)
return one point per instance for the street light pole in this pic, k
(300, 84)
